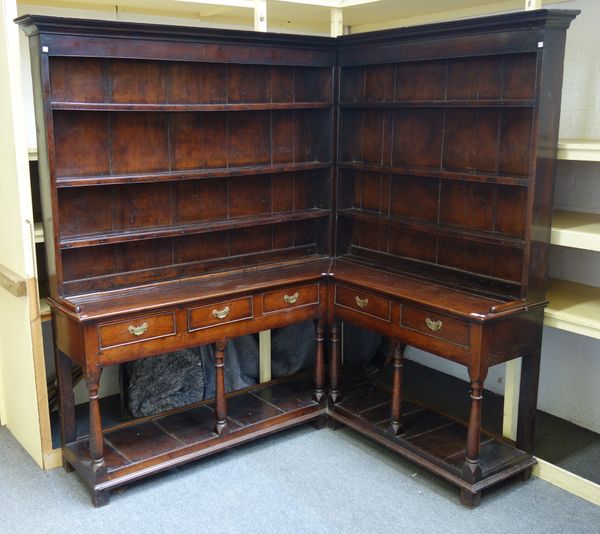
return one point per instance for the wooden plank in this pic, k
(264, 356)
(512, 379)
(45, 314)
(12, 282)
(39, 232)
(337, 22)
(533, 4)
(260, 15)
(53, 459)
(39, 366)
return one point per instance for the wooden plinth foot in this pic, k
(100, 498)
(469, 499)
(67, 466)
(334, 424)
(526, 475)
(320, 423)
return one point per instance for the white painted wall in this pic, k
(570, 366)
(581, 83)
(577, 183)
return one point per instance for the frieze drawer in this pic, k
(363, 302)
(136, 330)
(436, 325)
(290, 297)
(227, 311)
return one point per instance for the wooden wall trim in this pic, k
(13, 283)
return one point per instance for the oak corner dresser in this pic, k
(202, 184)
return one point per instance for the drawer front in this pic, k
(436, 325)
(363, 302)
(136, 330)
(290, 297)
(224, 312)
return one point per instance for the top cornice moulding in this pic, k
(546, 18)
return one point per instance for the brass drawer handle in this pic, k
(221, 314)
(361, 303)
(138, 330)
(290, 299)
(433, 325)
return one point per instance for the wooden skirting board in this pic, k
(586, 489)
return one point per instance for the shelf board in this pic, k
(192, 174)
(251, 106)
(438, 173)
(578, 150)
(185, 434)
(140, 234)
(44, 310)
(428, 437)
(574, 308)
(439, 103)
(434, 228)
(38, 232)
(576, 230)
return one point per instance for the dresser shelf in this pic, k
(192, 174)
(252, 106)
(433, 228)
(439, 104)
(142, 234)
(437, 173)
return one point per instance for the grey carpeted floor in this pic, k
(302, 480)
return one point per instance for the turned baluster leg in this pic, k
(66, 403)
(96, 438)
(471, 467)
(334, 363)
(220, 401)
(319, 392)
(396, 411)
